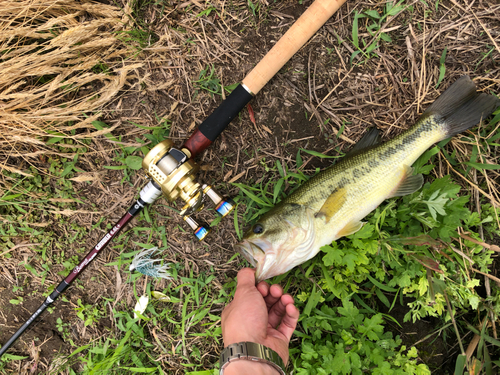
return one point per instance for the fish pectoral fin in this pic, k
(332, 204)
(350, 228)
(369, 139)
(409, 184)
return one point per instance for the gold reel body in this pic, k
(174, 173)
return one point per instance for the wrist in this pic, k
(248, 367)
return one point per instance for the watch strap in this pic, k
(252, 352)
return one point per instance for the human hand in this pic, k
(260, 314)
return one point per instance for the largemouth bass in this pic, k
(332, 204)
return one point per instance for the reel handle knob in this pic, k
(200, 231)
(225, 207)
(222, 206)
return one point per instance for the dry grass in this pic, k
(51, 78)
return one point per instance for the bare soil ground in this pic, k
(316, 94)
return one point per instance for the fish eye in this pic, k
(258, 229)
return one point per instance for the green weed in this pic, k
(375, 21)
(141, 35)
(127, 156)
(345, 340)
(88, 313)
(63, 328)
(208, 81)
(442, 67)
(133, 349)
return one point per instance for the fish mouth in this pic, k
(256, 253)
(250, 251)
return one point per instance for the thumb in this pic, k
(246, 279)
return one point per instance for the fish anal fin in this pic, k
(409, 184)
(332, 204)
(350, 228)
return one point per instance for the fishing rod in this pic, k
(172, 171)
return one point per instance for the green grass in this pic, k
(133, 349)
(140, 36)
(208, 81)
(375, 20)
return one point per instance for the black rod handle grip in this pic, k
(220, 118)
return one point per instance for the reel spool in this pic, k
(174, 173)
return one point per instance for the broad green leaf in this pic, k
(381, 296)
(298, 159)
(372, 13)
(460, 364)
(333, 255)
(313, 301)
(277, 189)
(424, 158)
(442, 67)
(115, 167)
(142, 370)
(10, 197)
(53, 140)
(385, 37)
(366, 231)
(379, 285)
(133, 162)
(355, 39)
(395, 10)
(251, 195)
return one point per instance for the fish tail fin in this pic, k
(461, 107)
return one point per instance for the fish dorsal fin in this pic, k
(332, 204)
(409, 184)
(350, 228)
(369, 139)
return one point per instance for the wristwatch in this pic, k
(251, 352)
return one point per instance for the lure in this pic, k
(144, 263)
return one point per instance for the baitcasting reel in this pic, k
(173, 174)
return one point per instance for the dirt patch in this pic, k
(44, 330)
(433, 350)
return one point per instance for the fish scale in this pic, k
(332, 204)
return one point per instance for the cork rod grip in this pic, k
(301, 31)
